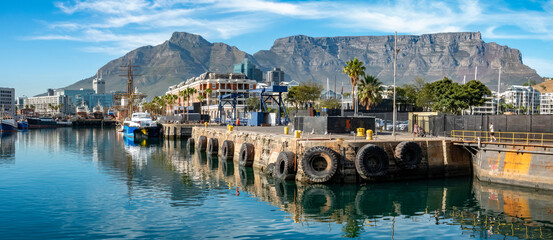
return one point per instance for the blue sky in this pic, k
(51, 44)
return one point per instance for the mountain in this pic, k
(430, 56)
(183, 56)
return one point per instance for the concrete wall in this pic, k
(440, 157)
(521, 166)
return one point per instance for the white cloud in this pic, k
(126, 23)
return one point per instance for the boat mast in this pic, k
(130, 95)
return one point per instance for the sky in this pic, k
(52, 44)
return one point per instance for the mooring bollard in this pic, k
(297, 133)
(360, 132)
(206, 124)
(370, 134)
(230, 128)
(286, 130)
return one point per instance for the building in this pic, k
(77, 96)
(275, 77)
(7, 101)
(220, 84)
(488, 108)
(98, 84)
(20, 102)
(50, 104)
(523, 99)
(546, 103)
(249, 69)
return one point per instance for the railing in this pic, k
(507, 138)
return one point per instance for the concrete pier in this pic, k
(438, 157)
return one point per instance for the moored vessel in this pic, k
(8, 125)
(43, 122)
(141, 125)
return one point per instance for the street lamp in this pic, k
(396, 50)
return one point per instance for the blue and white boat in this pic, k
(141, 125)
(8, 125)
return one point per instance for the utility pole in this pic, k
(498, 89)
(395, 68)
(476, 73)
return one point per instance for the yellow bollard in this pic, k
(360, 132)
(230, 128)
(370, 134)
(297, 133)
(206, 124)
(381, 129)
(286, 130)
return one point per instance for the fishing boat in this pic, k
(64, 123)
(82, 111)
(140, 125)
(22, 125)
(43, 122)
(8, 125)
(98, 111)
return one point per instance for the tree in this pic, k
(201, 98)
(475, 92)
(448, 96)
(330, 103)
(529, 83)
(291, 96)
(424, 93)
(354, 69)
(188, 95)
(369, 91)
(253, 104)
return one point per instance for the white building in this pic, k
(524, 99)
(221, 84)
(46, 104)
(7, 101)
(546, 103)
(488, 108)
(98, 84)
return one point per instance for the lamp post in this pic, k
(395, 68)
(498, 89)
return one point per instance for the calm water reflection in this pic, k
(94, 183)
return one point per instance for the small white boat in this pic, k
(141, 124)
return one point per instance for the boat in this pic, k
(43, 122)
(64, 123)
(82, 111)
(141, 124)
(22, 124)
(98, 111)
(8, 125)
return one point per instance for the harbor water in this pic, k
(95, 183)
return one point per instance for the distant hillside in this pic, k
(545, 87)
(430, 56)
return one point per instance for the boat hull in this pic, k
(8, 126)
(142, 132)
(39, 123)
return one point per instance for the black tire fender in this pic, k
(319, 164)
(202, 143)
(246, 155)
(227, 149)
(284, 166)
(190, 144)
(371, 161)
(213, 146)
(408, 155)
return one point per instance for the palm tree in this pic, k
(354, 68)
(189, 92)
(201, 97)
(369, 91)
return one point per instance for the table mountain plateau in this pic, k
(430, 56)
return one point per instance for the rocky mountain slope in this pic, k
(430, 56)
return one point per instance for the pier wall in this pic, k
(440, 158)
(515, 165)
(177, 130)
